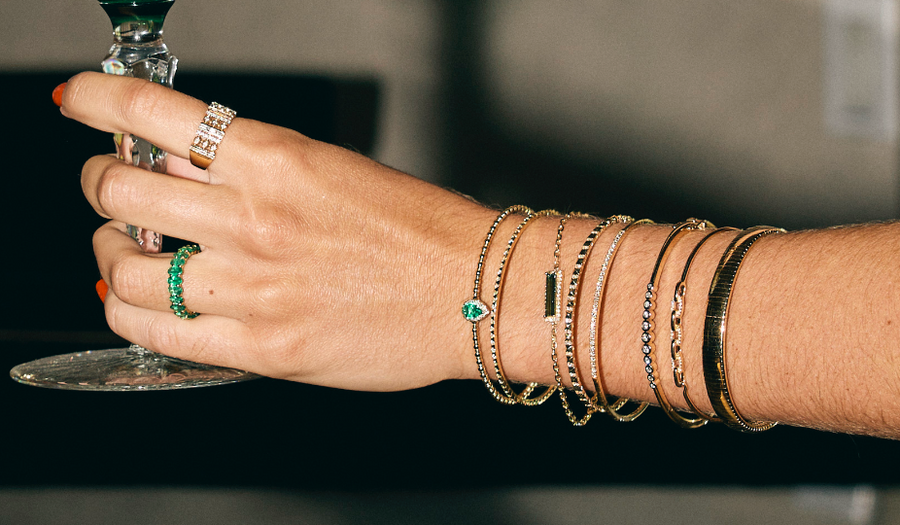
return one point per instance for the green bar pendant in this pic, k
(551, 294)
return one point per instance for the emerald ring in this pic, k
(176, 280)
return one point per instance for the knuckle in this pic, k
(283, 153)
(200, 351)
(275, 144)
(263, 230)
(161, 336)
(267, 231)
(187, 346)
(139, 100)
(112, 188)
(112, 312)
(97, 240)
(101, 236)
(284, 357)
(126, 280)
(269, 295)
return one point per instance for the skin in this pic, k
(323, 266)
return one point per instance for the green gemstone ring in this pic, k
(176, 279)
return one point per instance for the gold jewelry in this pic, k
(519, 398)
(648, 326)
(552, 294)
(714, 372)
(474, 310)
(210, 134)
(569, 325)
(176, 281)
(600, 399)
(677, 331)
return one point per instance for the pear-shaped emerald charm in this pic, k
(474, 310)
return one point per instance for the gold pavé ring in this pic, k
(210, 134)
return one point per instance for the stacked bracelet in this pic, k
(523, 397)
(474, 310)
(648, 335)
(552, 297)
(714, 371)
(677, 328)
(568, 329)
(601, 400)
(714, 334)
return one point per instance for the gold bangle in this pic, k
(714, 372)
(648, 334)
(600, 399)
(474, 310)
(522, 397)
(569, 326)
(677, 329)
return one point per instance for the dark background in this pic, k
(269, 433)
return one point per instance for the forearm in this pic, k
(811, 338)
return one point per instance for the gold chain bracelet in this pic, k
(648, 325)
(552, 297)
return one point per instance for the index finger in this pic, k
(163, 116)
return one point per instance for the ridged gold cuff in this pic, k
(714, 333)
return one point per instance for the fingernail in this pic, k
(58, 92)
(102, 289)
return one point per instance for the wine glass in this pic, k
(137, 51)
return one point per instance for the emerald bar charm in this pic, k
(551, 296)
(474, 310)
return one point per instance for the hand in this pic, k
(319, 265)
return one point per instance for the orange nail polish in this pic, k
(102, 289)
(58, 92)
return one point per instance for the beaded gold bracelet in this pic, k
(569, 324)
(648, 325)
(677, 327)
(601, 400)
(714, 370)
(522, 397)
(474, 310)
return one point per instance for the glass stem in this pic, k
(138, 51)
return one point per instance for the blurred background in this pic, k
(781, 112)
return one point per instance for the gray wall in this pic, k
(756, 100)
(396, 41)
(737, 94)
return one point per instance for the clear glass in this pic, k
(137, 51)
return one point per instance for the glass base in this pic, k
(122, 369)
